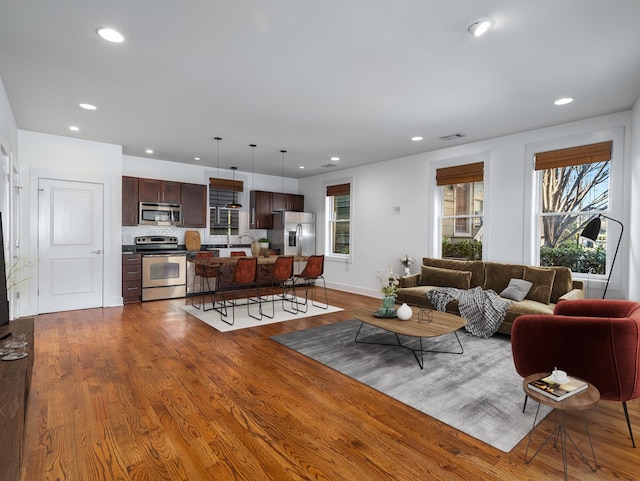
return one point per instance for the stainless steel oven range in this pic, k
(164, 267)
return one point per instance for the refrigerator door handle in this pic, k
(299, 235)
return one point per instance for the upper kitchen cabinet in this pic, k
(260, 209)
(129, 200)
(194, 205)
(291, 202)
(152, 190)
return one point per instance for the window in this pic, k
(223, 221)
(461, 210)
(573, 188)
(338, 209)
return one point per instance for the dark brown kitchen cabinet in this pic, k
(152, 190)
(131, 278)
(290, 202)
(260, 209)
(129, 200)
(194, 205)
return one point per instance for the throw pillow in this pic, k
(516, 290)
(542, 280)
(435, 276)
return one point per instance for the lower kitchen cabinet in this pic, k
(131, 278)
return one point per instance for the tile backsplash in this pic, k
(129, 234)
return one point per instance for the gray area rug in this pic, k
(477, 392)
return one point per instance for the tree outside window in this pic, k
(570, 196)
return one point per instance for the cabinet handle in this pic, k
(133, 272)
(132, 289)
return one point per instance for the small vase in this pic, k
(388, 304)
(404, 312)
(255, 249)
(407, 271)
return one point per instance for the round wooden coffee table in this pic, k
(577, 402)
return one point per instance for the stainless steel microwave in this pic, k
(160, 214)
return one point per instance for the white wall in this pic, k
(66, 158)
(380, 238)
(633, 226)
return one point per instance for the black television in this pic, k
(4, 301)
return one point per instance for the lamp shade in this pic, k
(592, 230)
(235, 204)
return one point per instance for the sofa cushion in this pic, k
(475, 267)
(516, 290)
(498, 275)
(562, 283)
(542, 280)
(436, 276)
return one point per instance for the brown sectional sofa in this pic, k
(550, 285)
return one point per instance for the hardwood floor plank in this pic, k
(148, 392)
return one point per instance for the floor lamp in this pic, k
(592, 230)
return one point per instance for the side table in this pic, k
(578, 402)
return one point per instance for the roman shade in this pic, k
(584, 154)
(226, 184)
(340, 189)
(460, 174)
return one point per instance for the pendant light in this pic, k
(235, 204)
(218, 139)
(283, 152)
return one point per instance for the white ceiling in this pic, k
(349, 78)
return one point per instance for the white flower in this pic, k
(388, 282)
(406, 260)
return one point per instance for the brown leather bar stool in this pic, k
(237, 253)
(245, 277)
(312, 271)
(275, 280)
(205, 273)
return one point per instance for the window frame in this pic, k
(615, 206)
(437, 208)
(328, 221)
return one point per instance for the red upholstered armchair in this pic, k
(596, 340)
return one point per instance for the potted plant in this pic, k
(264, 242)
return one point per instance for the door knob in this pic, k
(97, 252)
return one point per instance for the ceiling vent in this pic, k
(452, 137)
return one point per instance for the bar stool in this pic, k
(237, 253)
(277, 279)
(312, 271)
(205, 273)
(244, 277)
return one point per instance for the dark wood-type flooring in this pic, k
(147, 392)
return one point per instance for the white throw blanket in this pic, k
(484, 311)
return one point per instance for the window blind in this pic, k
(460, 174)
(226, 184)
(340, 189)
(584, 154)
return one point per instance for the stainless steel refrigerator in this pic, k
(293, 233)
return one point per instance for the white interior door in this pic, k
(70, 245)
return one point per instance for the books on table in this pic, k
(556, 391)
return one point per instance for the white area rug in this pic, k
(243, 321)
(478, 392)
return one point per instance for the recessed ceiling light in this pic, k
(74, 128)
(149, 151)
(335, 159)
(416, 139)
(563, 101)
(301, 167)
(480, 26)
(110, 35)
(196, 158)
(88, 106)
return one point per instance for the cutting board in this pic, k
(192, 240)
